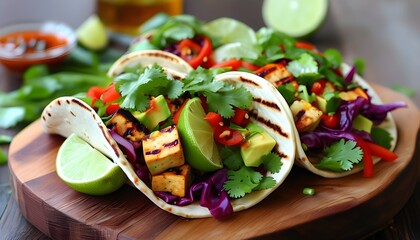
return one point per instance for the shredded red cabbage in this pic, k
(125, 145)
(350, 75)
(210, 193)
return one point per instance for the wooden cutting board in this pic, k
(348, 207)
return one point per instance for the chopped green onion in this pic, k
(309, 191)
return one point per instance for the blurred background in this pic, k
(384, 33)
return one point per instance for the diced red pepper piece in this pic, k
(193, 52)
(223, 134)
(331, 121)
(241, 117)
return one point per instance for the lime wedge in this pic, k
(297, 18)
(230, 30)
(87, 170)
(92, 34)
(200, 149)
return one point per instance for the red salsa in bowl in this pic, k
(24, 45)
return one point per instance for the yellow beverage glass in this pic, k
(126, 16)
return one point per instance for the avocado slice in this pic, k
(158, 111)
(362, 123)
(259, 144)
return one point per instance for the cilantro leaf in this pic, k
(222, 102)
(265, 183)
(288, 92)
(135, 88)
(381, 137)
(272, 162)
(334, 57)
(232, 158)
(341, 156)
(303, 66)
(242, 181)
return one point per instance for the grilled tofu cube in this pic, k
(277, 74)
(162, 150)
(306, 116)
(126, 125)
(353, 94)
(176, 181)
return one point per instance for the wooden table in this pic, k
(384, 33)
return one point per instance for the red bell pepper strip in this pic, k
(175, 118)
(249, 66)
(367, 158)
(233, 64)
(381, 152)
(223, 134)
(95, 93)
(112, 108)
(305, 45)
(194, 53)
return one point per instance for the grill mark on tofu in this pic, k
(267, 71)
(299, 115)
(276, 128)
(171, 144)
(283, 81)
(154, 152)
(267, 103)
(126, 125)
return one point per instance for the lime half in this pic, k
(87, 170)
(297, 18)
(196, 134)
(92, 34)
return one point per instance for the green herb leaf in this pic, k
(333, 101)
(272, 162)
(303, 94)
(288, 92)
(10, 116)
(359, 63)
(3, 157)
(381, 137)
(241, 182)
(334, 57)
(5, 139)
(303, 66)
(308, 191)
(135, 88)
(341, 156)
(265, 183)
(232, 158)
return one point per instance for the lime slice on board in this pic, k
(196, 134)
(87, 170)
(92, 34)
(297, 18)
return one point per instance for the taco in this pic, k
(252, 137)
(342, 127)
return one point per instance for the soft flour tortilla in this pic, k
(388, 124)
(67, 115)
(149, 57)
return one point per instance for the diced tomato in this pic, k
(331, 121)
(110, 94)
(95, 93)
(381, 152)
(223, 134)
(318, 87)
(305, 45)
(241, 117)
(233, 64)
(193, 52)
(112, 108)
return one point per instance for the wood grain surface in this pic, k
(348, 207)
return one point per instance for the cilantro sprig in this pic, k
(242, 179)
(136, 87)
(341, 156)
